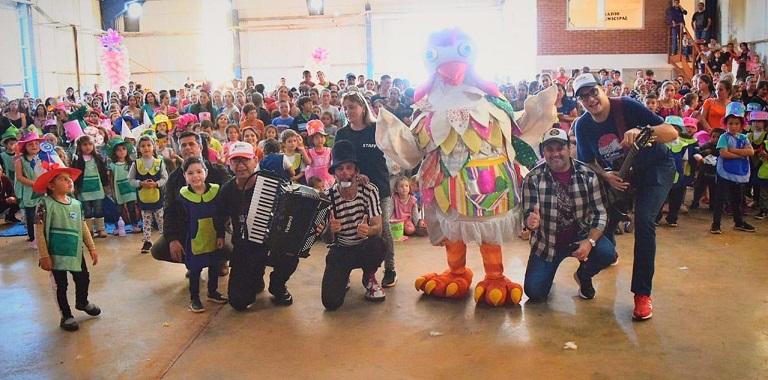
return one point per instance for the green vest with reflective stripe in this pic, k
(64, 233)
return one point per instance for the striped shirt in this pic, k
(351, 212)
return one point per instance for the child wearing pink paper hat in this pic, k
(319, 154)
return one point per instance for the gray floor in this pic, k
(710, 297)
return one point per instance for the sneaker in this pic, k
(283, 298)
(643, 308)
(744, 226)
(586, 290)
(69, 324)
(217, 298)
(628, 227)
(32, 244)
(90, 309)
(616, 260)
(136, 229)
(146, 247)
(715, 229)
(373, 291)
(196, 306)
(390, 278)
(761, 215)
(672, 224)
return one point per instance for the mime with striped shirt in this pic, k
(355, 223)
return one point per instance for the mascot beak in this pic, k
(453, 72)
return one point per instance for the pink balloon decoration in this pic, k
(113, 58)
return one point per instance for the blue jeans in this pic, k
(702, 34)
(540, 273)
(675, 36)
(650, 196)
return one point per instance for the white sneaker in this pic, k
(374, 291)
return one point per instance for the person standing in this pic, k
(675, 20)
(603, 135)
(361, 132)
(701, 22)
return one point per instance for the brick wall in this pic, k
(554, 39)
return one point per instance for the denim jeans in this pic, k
(540, 273)
(674, 36)
(649, 197)
(702, 34)
(387, 208)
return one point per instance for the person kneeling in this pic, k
(565, 212)
(355, 223)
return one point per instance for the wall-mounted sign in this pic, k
(605, 14)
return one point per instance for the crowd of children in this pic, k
(722, 153)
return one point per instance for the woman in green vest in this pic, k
(90, 186)
(123, 191)
(61, 233)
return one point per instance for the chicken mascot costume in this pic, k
(473, 156)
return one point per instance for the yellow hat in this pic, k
(161, 118)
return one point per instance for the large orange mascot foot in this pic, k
(496, 289)
(455, 281)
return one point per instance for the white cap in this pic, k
(554, 134)
(583, 80)
(240, 149)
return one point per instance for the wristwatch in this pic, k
(592, 242)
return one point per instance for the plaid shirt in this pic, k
(539, 188)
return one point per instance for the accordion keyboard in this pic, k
(260, 211)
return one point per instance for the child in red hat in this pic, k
(61, 232)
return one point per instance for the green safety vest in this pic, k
(8, 164)
(122, 188)
(23, 192)
(64, 233)
(91, 189)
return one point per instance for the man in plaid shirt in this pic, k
(564, 210)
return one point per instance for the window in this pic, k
(605, 14)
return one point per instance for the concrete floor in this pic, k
(710, 297)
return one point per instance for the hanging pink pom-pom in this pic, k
(319, 55)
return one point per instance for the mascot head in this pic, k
(449, 54)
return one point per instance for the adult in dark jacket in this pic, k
(169, 246)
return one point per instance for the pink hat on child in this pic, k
(314, 127)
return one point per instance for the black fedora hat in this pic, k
(343, 151)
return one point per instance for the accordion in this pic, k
(283, 216)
